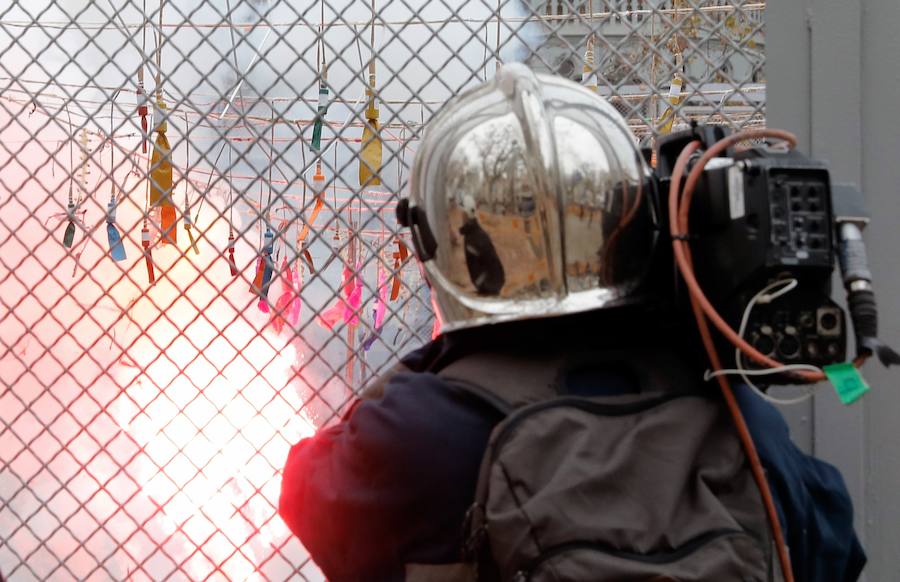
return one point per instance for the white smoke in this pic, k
(187, 399)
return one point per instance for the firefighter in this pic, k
(559, 427)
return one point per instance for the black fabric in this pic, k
(813, 502)
(392, 482)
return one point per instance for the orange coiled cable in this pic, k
(679, 229)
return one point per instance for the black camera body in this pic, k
(760, 216)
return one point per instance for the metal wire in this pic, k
(143, 425)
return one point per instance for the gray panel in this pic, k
(788, 68)
(881, 177)
(846, 75)
(836, 137)
(787, 107)
(815, 75)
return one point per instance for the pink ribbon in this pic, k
(345, 308)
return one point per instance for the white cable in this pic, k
(807, 394)
(764, 372)
(709, 374)
(764, 296)
(768, 294)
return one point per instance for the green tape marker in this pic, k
(847, 381)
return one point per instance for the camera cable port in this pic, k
(788, 346)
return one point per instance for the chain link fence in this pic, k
(200, 261)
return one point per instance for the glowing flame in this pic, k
(213, 456)
(210, 401)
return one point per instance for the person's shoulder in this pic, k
(427, 401)
(418, 416)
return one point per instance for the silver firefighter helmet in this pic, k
(529, 198)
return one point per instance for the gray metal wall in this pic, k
(833, 69)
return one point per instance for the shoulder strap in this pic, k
(506, 381)
(510, 381)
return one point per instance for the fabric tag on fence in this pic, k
(847, 381)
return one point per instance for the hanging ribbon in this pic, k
(267, 263)
(259, 271)
(400, 257)
(322, 106)
(436, 328)
(370, 158)
(188, 222)
(229, 250)
(282, 305)
(113, 236)
(318, 186)
(667, 120)
(73, 208)
(162, 195)
(148, 257)
(69, 235)
(161, 181)
(379, 311)
(309, 260)
(322, 110)
(142, 100)
(269, 266)
(143, 109)
(287, 308)
(264, 269)
(297, 286)
(116, 248)
(346, 308)
(319, 178)
(71, 215)
(381, 307)
(230, 254)
(354, 300)
(589, 76)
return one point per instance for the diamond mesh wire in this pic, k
(144, 424)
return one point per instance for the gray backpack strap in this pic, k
(506, 381)
(510, 381)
